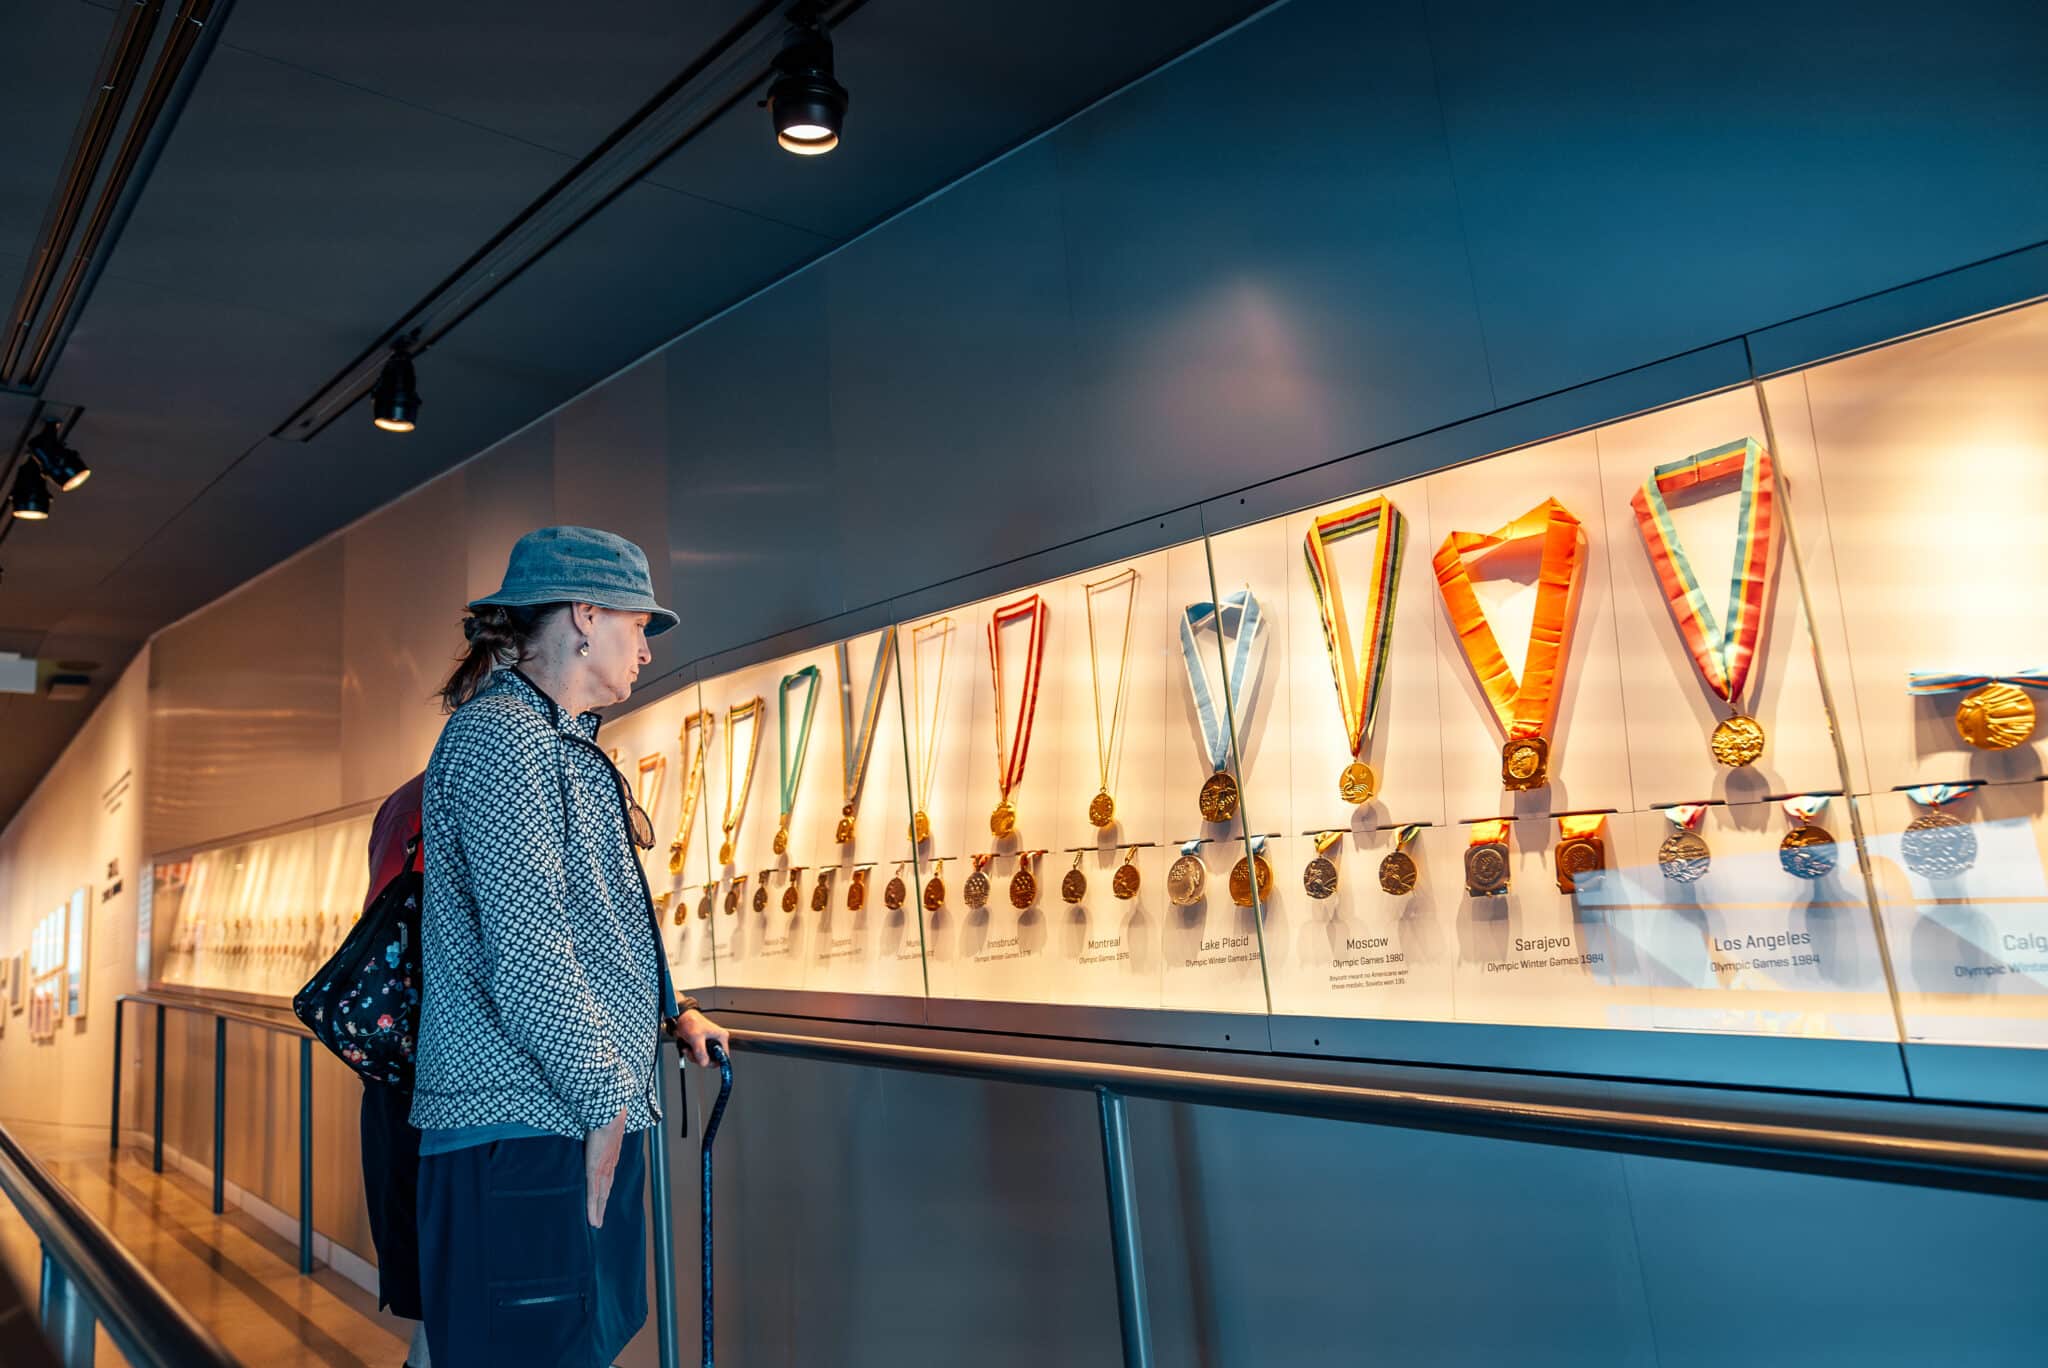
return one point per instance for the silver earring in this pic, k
(583, 648)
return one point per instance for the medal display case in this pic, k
(254, 918)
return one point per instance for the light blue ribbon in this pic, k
(1192, 847)
(1214, 736)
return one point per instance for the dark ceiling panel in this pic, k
(561, 77)
(936, 89)
(53, 51)
(291, 192)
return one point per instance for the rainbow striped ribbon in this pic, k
(1939, 682)
(1806, 807)
(1685, 816)
(1725, 650)
(1010, 757)
(1938, 795)
(1359, 674)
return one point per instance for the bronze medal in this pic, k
(1023, 889)
(1738, 741)
(1185, 879)
(895, 893)
(1398, 872)
(1486, 869)
(1124, 883)
(1241, 875)
(732, 900)
(1320, 878)
(1684, 857)
(934, 894)
(1218, 799)
(857, 891)
(844, 833)
(782, 838)
(920, 827)
(1524, 763)
(1358, 783)
(1996, 717)
(725, 853)
(1102, 810)
(789, 896)
(1074, 886)
(1938, 845)
(821, 892)
(1807, 852)
(1003, 820)
(1580, 858)
(761, 896)
(704, 904)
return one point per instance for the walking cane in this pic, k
(718, 1057)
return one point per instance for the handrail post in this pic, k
(1125, 1247)
(664, 1247)
(66, 1319)
(114, 1124)
(305, 1154)
(220, 1112)
(156, 1154)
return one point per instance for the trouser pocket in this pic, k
(538, 1321)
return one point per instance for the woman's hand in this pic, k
(600, 1162)
(695, 1031)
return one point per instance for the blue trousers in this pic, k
(511, 1272)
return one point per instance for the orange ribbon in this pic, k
(1584, 824)
(1524, 707)
(1485, 833)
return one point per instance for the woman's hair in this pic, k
(497, 637)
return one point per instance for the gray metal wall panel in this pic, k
(507, 492)
(1637, 182)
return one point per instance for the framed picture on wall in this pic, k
(77, 944)
(17, 983)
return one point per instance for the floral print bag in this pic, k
(364, 1003)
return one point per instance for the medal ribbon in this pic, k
(1249, 621)
(1359, 673)
(1685, 816)
(1807, 807)
(1191, 848)
(791, 773)
(1938, 682)
(1581, 824)
(1723, 650)
(749, 711)
(1406, 834)
(1010, 761)
(1938, 795)
(1485, 833)
(1105, 739)
(1258, 845)
(693, 784)
(1326, 840)
(1523, 708)
(927, 744)
(853, 754)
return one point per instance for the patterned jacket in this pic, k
(544, 973)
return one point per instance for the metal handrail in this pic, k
(1921, 1161)
(88, 1276)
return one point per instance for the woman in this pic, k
(545, 978)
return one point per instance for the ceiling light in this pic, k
(31, 496)
(808, 105)
(395, 402)
(59, 462)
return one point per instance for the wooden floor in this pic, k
(235, 1276)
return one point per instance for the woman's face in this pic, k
(618, 648)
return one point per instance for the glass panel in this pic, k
(1922, 526)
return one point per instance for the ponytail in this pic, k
(497, 637)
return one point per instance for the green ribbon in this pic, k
(790, 774)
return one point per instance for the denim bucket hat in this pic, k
(579, 565)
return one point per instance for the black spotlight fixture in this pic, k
(63, 465)
(31, 499)
(395, 402)
(808, 105)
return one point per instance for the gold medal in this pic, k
(1241, 875)
(1320, 878)
(844, 834)
(935, 889)
(896, 892)
(1184, 880)
(782, 836)
(1938, 845)
(1738, 741)
(1074, 886)
(1524, 763)
(1579, 858)
(725, 853)
(1003, 820)
(857, 891)
(1218, 799)
(1358, 784)
(1124, 883)
(1684, 857)
(1398, 872)
(1102, 810)
(675, 857)
(1807, 852)
(821, 891)
(975, 893)
(1023, 885)
(1996, 717)
(920, 827)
